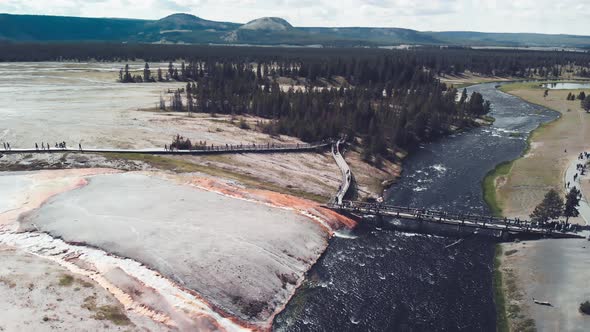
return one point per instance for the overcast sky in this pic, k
(543, 16)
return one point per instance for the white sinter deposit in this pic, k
(243, 258)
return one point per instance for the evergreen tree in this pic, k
(572, 201)
(147, 73)
(463, 97)
(160, 77)
(550, 208)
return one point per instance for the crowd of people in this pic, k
(44, 146)
(580, 167)
(58, 146)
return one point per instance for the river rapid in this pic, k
(378, 279)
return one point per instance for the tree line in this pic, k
(442, 61)
(386, 105)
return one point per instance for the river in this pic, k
(379, 279)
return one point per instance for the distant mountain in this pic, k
(186, 28)
(267, 24)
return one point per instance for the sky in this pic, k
(542, 16)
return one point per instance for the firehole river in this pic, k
(379, 279)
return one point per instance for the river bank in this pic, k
(550, 270)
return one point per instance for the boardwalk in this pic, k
(214, 149)
(344, 169)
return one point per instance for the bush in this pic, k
(585, 307)
(244, 124)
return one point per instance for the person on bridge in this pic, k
(36, 147)
(165, 147)
(80, 146)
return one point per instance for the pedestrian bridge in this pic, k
(504, 226)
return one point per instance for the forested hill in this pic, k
(186, 28)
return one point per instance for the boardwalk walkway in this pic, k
(344, 169)
(214, 149)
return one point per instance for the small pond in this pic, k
(567, 86)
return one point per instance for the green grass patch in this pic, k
(461, 86)
(499, 296)
(489, 186)
(66, 280)
(111, 313)
(183, 166)
(488, 118)
(521, 85)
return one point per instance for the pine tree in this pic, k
(146, 73)
(572, 201)
(463, 97)
(160, 77)
(550, 208)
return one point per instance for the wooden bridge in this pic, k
(503, 225)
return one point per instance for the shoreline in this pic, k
(513, 312)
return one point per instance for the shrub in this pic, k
(585, 307)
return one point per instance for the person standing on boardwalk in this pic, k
(36, 147)
(80, 146)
